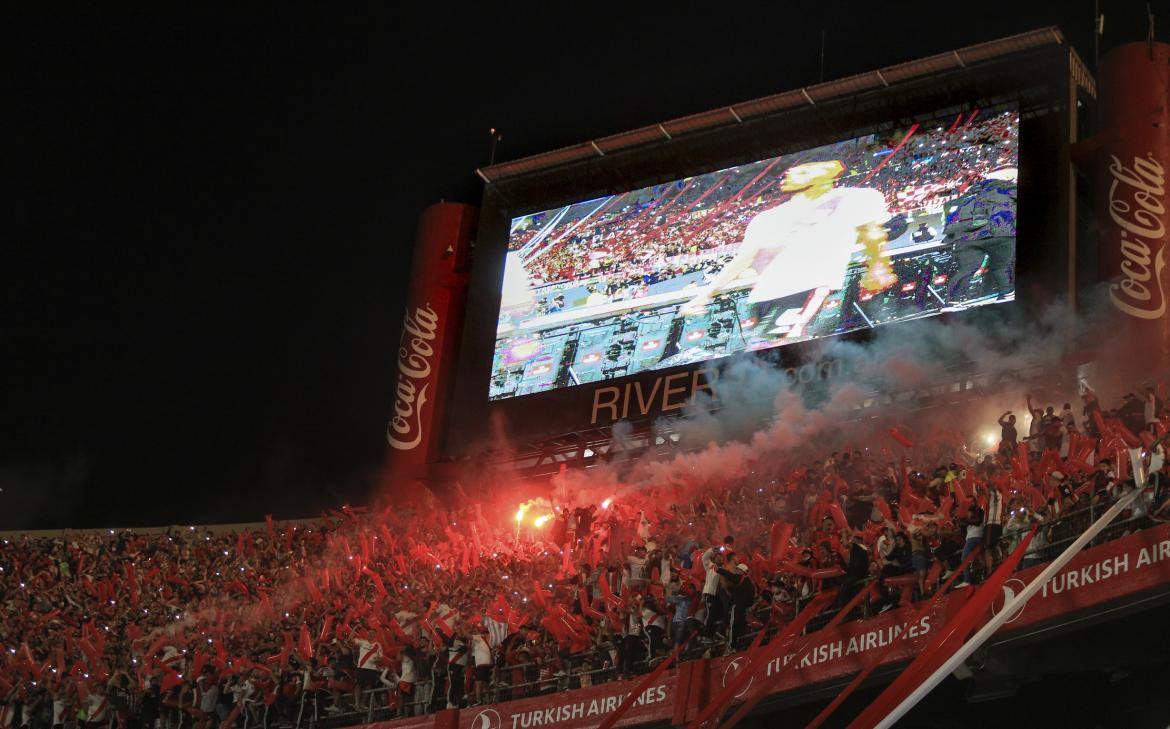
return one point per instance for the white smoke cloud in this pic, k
(758, 420)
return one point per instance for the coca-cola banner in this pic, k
(1135, 115)
(431, 329)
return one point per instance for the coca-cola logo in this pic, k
(1137, 208)
(414, 370)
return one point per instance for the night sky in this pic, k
(209, 216)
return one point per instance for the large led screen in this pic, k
(879, 229)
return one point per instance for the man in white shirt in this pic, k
(654, 622)
(369, 663)
(803, 247)
(402, 683)
(992, 529)
(638, 562)
(207, 689)
(457, 658)
(481, 652)
(712, 560)
(97, 707)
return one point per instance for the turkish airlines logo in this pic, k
(1010, 589)
(731, 670)
(1138, 212)
(414, 370)
(486, 719)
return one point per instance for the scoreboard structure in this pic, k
(612, 281)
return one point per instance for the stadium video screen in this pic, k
(883, 228)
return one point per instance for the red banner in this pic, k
(431, 329)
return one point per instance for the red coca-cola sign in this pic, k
(1137, 207)
(431, 326)
(415, 364)
(1135, 120)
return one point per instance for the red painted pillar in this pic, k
(1133, 204)
(431, 330)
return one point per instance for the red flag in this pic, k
(901, 439)
(538, 594)
(326, 629)
(944, 506)
(1131, 440)
(838, 515)
(305, 644)
(962, 497)
(1020, 463)
(397, 631)
(795, 568)
(500, 609)
(268, 524)
(587, 609)
(199, 662)
(780, 533)
(60, 660)
(311, 586)
(378, 584)
(86, 647)
(611, 600)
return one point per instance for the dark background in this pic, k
(209, 218)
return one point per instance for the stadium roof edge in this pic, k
(805, 96)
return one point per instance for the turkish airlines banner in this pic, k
(581, 709)
(431, 330)
(1135, 116)
(1101, 574)
(829, 654)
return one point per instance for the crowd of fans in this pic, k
(403, 611)
(638, 239)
